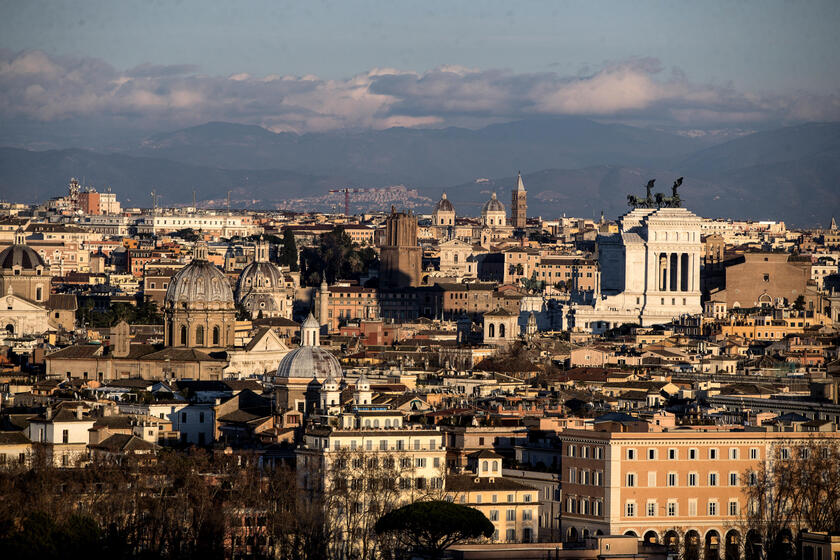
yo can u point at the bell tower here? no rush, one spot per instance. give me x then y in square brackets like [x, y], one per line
[519, 204]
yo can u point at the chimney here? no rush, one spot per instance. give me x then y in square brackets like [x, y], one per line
[48, 413]
[79, 412]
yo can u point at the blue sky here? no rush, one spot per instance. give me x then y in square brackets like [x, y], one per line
[755, 59]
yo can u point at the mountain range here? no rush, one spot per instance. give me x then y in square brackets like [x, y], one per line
[571, 166]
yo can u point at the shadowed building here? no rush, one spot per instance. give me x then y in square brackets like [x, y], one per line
[401, 257]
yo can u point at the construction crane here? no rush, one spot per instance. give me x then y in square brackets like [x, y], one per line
[347, 192]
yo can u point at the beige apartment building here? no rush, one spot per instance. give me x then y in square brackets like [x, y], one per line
[512, 506]
[659, 485]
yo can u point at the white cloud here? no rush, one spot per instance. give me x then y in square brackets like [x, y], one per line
[38, 86]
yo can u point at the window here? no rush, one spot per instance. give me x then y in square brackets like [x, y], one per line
[672, 509]
[753, 453]
[713, 479]
[692, 507]
[572, 450]
[631, 454]
[494, 515]
[215, 336]
[733, 507]
[692, 454]
[651, 454]
[510, 498]
[630, 509]
[631, 480]
[672, 479]
[733, 453]
[672, 454]
[652, 479]
[510, 533]
[598, 453]
[527, 497]
[511, 515]
[692, 479]
[785, 453]
[712, 508]
[713, 454]
[527, 515]
[651, 509]
[199, 335]
[733, 479]
[65, 436]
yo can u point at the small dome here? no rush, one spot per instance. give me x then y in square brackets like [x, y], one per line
[443, 205]
[200, 282]
[20, 255]
[259, 276]
[493, 205]
[309, 361]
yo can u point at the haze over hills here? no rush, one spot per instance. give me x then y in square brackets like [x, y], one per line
[571, 165]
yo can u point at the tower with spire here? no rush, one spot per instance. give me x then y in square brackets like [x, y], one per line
[519, 204]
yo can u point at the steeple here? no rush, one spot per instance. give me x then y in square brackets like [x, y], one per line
[310, 332]
[520, 186]
[262, 250]
[363, 394]
[200, 251]
[833, 224]
[20, 236]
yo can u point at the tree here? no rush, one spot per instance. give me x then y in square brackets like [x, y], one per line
[288, 251]
[431, 527]
[799, 303]
[797, 487]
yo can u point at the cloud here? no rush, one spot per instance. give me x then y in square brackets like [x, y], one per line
[41, 87]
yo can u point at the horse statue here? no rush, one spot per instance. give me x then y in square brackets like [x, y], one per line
[634, 201]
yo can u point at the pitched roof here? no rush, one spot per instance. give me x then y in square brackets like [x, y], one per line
[125, 443]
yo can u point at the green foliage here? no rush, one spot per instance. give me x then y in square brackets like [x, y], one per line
[799, 304]
[145, 313]
[288, 250]
[335, 257]
[433, 526]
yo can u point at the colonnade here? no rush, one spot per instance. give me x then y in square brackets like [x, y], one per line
[676, 272]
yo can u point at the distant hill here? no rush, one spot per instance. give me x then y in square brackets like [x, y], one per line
[571, 166]
[30, 176]
[419, 156]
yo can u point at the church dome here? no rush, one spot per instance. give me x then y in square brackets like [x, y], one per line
[492, 205]
[200, 282]
[20, 255]
[307, 362]
[259, 276]
[443, 205]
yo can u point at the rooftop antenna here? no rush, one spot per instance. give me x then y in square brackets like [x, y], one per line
[193, 200]
[154, 202]
[228, 202]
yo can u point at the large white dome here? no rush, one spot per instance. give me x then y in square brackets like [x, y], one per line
[307, 362]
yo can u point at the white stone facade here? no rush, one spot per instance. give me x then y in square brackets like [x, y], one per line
[649, 271]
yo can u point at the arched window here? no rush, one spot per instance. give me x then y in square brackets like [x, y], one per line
[216, 336]
[491, 330]
[484, 466]
[501, 330]
[183, 335]
[38, 293]
[199, 335]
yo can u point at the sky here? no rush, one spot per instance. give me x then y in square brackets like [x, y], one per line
[311, 66]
